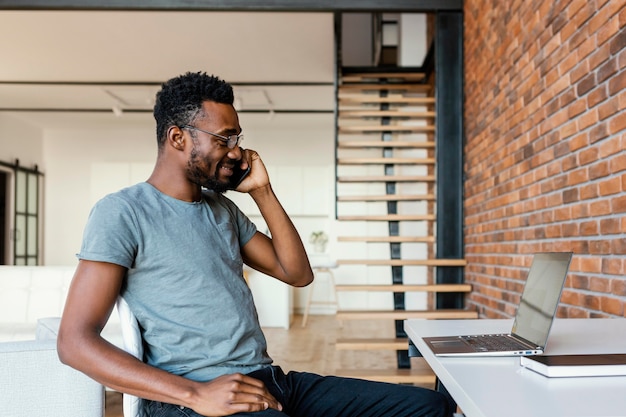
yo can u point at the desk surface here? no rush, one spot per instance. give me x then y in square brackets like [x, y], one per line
[499, 386]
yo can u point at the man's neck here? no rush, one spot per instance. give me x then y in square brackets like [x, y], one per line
[177, 188]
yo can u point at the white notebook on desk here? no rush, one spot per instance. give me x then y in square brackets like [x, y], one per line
[533, 320]
[607, 364]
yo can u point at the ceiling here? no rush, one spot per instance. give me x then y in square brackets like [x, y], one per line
[62, 68]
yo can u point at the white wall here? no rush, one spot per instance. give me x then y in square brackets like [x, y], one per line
[20, 141]
[412, 46]
[70, 157]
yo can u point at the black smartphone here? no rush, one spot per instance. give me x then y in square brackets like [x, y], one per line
[238, 176]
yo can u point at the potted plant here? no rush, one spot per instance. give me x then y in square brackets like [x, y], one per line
[319, 240]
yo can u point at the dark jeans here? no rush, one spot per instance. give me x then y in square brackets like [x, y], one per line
[308, 395]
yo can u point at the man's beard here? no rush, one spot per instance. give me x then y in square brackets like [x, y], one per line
[196, 175]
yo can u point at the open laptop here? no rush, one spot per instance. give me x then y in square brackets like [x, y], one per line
[533, 319]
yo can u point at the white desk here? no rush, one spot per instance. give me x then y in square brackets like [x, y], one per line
[500, 387]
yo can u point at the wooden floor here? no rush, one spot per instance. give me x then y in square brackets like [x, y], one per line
[312, 349]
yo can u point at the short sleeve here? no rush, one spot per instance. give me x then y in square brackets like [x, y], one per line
[111, 234]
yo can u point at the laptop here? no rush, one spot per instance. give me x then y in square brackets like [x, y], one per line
[533, 320]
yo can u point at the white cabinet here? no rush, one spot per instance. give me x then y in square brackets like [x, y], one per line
[273, 299]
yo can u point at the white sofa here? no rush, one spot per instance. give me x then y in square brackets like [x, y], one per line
[29, 293]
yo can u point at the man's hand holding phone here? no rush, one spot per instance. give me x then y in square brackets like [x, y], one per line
[255, 174]
[238, 175]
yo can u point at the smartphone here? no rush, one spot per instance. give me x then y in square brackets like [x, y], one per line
[238, 176]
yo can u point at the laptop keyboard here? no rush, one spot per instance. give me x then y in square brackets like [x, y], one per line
[493, 342]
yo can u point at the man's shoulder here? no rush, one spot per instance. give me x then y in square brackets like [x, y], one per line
[132, 192]
[129, 196]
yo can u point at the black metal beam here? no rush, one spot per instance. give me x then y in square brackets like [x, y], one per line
[449, 128]
[239, 5]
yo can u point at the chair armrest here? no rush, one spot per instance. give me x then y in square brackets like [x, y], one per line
[133, 344]
[33, 382]
[47, 328]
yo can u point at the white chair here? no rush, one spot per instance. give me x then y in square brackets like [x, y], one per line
[34, 382]
[132, 406]
[320, 265]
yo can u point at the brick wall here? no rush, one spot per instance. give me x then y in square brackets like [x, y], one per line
[545, 126]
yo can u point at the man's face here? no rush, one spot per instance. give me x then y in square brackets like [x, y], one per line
[211, 162]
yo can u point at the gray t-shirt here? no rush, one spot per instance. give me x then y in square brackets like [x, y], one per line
[185, 278]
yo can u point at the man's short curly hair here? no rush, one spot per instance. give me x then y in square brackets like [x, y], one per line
[180, 99]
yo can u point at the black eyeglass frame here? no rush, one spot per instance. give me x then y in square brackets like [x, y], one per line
[231, 140]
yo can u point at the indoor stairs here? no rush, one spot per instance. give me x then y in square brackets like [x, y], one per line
[386, 192]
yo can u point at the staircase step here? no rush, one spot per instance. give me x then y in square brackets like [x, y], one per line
[403, 262]
[390, 239]
[421, 88]
[372, 344]
[421, 376]
[387, 128]
[407, 287]
[386, 144]
[391, 99]
[385, 161]
[405, 314]
[386, 113]
[387, 178]
[386, 197]
[362, 76]
[388, 217]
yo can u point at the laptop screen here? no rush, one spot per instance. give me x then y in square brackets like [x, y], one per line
[541, 296]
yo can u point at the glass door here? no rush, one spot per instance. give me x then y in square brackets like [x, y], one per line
[26, 224]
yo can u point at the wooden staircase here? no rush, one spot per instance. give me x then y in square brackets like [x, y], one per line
[386, 193]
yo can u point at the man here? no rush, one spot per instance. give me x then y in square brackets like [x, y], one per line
[174, 248]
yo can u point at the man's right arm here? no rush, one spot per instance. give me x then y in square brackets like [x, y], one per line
[92, 295]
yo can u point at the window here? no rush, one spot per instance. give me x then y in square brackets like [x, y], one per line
[21, 201]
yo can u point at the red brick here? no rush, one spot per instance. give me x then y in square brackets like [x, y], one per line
[577, 177]
[600, 208]
[618, 43]
[608, 108]
[610, 186]
[618, 204]
[599, 170]
[618, 286]
[599, 247]
[617, 124]
[579, 141]
[588, 191]
[611, 305]
[617, 84]
[589, 228]
[598, 95]
[587, 119]
[610, 226]
[618, 246]
[610, 147]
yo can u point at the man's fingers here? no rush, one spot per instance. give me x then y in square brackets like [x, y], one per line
[248, 390]
[254, 392]
[264, 401]
[235, 393]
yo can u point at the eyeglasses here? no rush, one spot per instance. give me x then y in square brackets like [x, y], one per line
[231, 140]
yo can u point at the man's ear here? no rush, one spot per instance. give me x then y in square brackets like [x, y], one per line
[175, 137]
